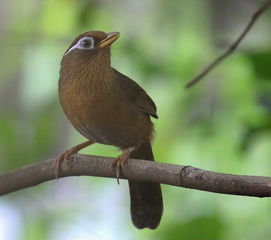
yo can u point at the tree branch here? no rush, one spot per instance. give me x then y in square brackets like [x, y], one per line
[233, 47]
[139, 170]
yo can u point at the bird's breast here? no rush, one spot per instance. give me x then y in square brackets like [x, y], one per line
[105, 118]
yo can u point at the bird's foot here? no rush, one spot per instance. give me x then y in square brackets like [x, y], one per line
[67, 156]
[120, 161]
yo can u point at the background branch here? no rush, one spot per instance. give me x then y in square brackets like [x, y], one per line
[140, 170]
[233, 47]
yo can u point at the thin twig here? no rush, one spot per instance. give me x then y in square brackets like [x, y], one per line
[233, 47]
[138, 170]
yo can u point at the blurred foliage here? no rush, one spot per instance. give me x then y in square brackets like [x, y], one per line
[209, 227]
[222, 124]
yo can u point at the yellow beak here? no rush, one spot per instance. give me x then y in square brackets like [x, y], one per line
[110, 38]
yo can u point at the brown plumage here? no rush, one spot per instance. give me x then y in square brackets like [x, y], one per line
[107, 107]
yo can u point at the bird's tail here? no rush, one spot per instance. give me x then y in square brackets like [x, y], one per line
[146, 197]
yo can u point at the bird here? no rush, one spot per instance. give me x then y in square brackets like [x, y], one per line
[107, 107]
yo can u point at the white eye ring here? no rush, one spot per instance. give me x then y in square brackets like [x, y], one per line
[84, 43]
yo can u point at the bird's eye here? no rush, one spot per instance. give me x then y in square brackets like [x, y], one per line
[86, 43]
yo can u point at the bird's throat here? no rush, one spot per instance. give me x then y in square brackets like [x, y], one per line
[90, 74]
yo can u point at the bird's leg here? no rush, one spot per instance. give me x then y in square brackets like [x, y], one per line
[120, 161]
[65, 155]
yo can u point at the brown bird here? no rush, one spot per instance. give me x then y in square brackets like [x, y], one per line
[107, 107]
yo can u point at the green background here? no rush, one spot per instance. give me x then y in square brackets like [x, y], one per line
[222, 124]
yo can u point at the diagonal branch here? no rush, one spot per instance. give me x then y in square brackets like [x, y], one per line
[233, 47]
[139, 170]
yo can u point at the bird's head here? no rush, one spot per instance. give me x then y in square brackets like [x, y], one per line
[87, 55]
[91, 43]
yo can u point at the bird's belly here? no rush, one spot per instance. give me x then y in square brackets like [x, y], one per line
[109, 121]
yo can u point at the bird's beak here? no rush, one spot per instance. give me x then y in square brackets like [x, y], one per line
[110, 38]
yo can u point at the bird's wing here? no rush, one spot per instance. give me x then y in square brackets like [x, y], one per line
[136, 94]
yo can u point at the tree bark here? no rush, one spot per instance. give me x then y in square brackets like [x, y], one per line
[139, 170]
